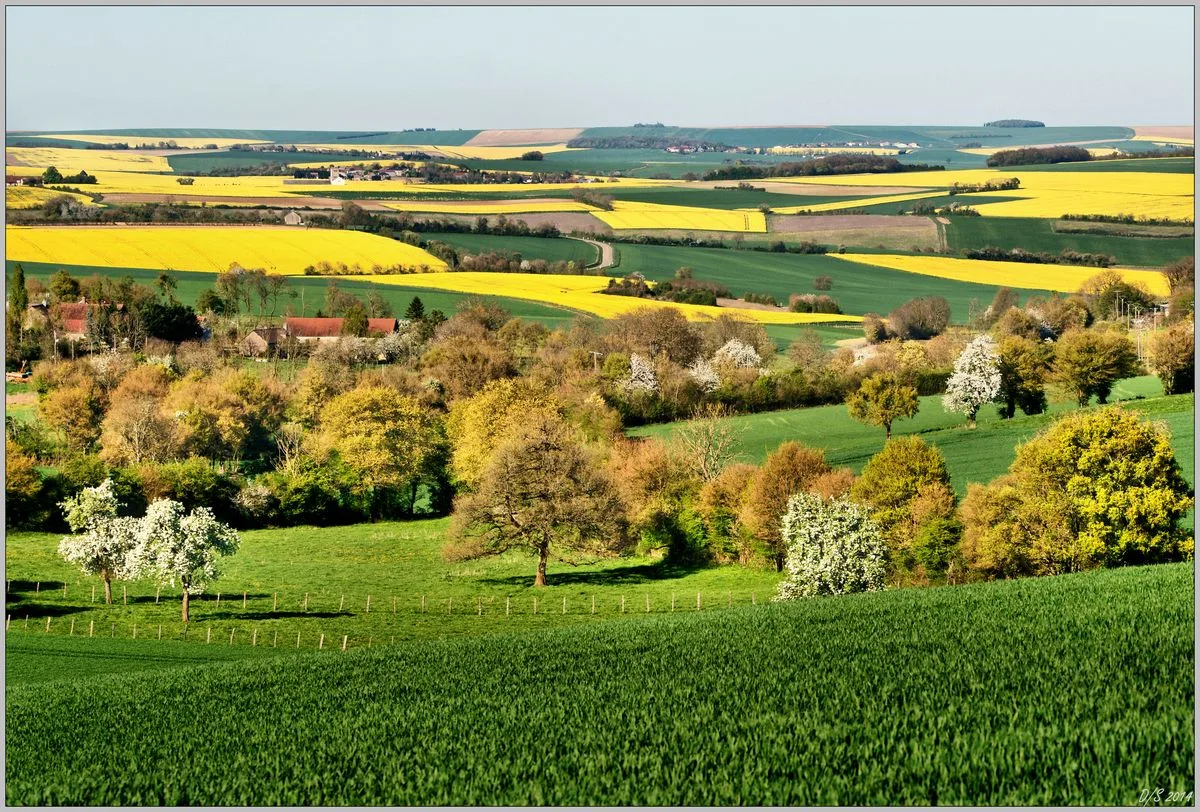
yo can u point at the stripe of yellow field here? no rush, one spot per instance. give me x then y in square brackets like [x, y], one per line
[1150, 183]
[242, 186]
[1060, 278]
[466, 153]
[638, 215]
[1095, 151]
[582, 293]
[853, 204]
[71, 161]
[278, 250]
[488, 207]
[31, 197]
[153, 140]
[1184, 142]
[1059, 203]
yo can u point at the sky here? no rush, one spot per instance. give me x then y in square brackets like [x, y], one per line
[476, 68]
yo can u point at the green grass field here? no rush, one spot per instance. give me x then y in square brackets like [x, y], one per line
[971, 456]
[1076, 690]
[310, 291]
[1180, 165]
[1032, 234]
[449, 138]
[551, 250]
[203, 162]
[857, 288]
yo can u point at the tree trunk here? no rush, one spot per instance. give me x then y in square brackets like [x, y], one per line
[107, 587]
[779, 559]
[185, 605]
[541, 571]
[887, 431]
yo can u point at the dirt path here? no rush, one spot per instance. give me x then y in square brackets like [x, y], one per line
[739, 304]
[606, 253]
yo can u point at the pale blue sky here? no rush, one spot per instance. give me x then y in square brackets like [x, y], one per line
[392, 68]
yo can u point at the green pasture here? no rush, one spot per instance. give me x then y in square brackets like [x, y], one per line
[1034, 234]
[204, 162]
[978, 455]
[857, 288]
[1075, 690]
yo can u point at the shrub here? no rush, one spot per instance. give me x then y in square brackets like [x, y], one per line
[833, 548]
[823, 283]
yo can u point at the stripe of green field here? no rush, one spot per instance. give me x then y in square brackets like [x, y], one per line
[857, 288]
[1036, 234]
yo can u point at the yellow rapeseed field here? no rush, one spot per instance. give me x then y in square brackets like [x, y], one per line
[209, 248]
[581, 293]
[487, 207]
[629, 214]
[1185, 142]
[1061, 278]
[71, 161]
[153, 140]
[31, 197]
[1053, 194]
[838, 205]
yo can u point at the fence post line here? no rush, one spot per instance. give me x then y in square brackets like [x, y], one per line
[369, 640]
[393, 604]
[218, 600]
[672, 601]
[64, 590]
[113, 633]
[125, 596]
[37, 589]
[26, 621]
[479, 606]
[535, 606]
[47, 625]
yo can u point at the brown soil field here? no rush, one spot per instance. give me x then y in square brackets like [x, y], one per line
[886, 231]
[520, 138]
[738, 304]
[1180, 131]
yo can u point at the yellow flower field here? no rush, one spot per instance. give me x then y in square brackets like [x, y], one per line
[628, 214]
[203, 248]
[1053, 194]
[1185, 142]
[582, 293]
[31, 197]
[837, 205]
[487, 207]
[1061, 278]
[71, 161]
[153, 140]
[1097, 151]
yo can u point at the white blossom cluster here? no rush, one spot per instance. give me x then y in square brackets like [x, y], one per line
[641, 375]
[834, 548]
[704, 375]
[739, 354]
[976, 378]
[167, 543]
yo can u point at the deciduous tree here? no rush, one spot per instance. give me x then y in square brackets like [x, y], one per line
[1024, 367]
[881, 400]
[787, 471]
[833, 548]
[1089, 362]
[1173, 357]
[976, 379]
[103, 540]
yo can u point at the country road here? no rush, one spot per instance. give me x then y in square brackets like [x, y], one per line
[606, 252]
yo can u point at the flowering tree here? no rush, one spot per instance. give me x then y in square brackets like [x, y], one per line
[834, 548]
[641, 375]
[172, 545]
[103, 539]
[976, 379]
[704, 375]
[738, 353]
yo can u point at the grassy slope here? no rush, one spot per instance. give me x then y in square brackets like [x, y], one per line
[313, 289]
[858, 288]
[972, 456]
[1038, 235]
[1023, 692]
[1177, 165]
[441, 137]
[207, 161]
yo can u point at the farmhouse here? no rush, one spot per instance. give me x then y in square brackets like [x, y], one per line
[262, 342]
[326, 329]
[293, 218]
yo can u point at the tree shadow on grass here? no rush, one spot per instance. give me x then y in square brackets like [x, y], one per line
[43, 611]
[613, 576]
[17, 590]
[274, 615]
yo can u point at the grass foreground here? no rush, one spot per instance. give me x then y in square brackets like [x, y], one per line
[1070, 690]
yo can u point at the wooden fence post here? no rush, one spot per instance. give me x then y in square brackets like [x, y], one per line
[275, 644]
[274, 601]
[647, 601]
[535, 606]
[64, 590]
[243, 600]
[231, 631]
[450, 606]
[321, 644]
[479, 606]
[160, 631]
[342, 603]
[564, 604]
[113, 631]
[393, 604]
[125, 596]
[305, 601]
[208, 637]
[672, 601]
[622, 604]
[72, 632]
[297, 639]
[27, 622]
[422, 603]
[506, 607]
[218, 600]
[697, 601]
[593, 604]
[368, 604]
[37, 589]
[91, 627]
[93, 593]
[47, 625]
[254, 637]
[157, 590]
[344, 638]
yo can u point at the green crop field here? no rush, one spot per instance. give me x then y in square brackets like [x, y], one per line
[551, 250]
[1177, 165]
[203, 162]
[311, 291]
[858, 288]
[963, 233]
[448, 138]
[898, 207]
[971, 456]
[1018, 692]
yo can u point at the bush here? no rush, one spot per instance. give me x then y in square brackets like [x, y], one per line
[921, 318]
[823, 283]
[833, 548]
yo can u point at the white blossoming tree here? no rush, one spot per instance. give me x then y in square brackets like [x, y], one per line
[738, 354]
[833, 548]
[976, 379]
[641, 375]
[103, 539]
[704, 375]
[174, 546]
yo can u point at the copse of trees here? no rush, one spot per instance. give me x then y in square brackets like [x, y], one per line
[1033, 156]
[841, 164]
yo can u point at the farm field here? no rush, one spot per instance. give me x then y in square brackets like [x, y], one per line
[550, 249]
[1061, 278]
[32, 197]
[646, 216]
[210, 248]
[311, 291]
[200, 162]
[971, 456]
[963, 233]
[858, 287]
[497, 207]
[135, 141]
[1004, 669]
[72, 161]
